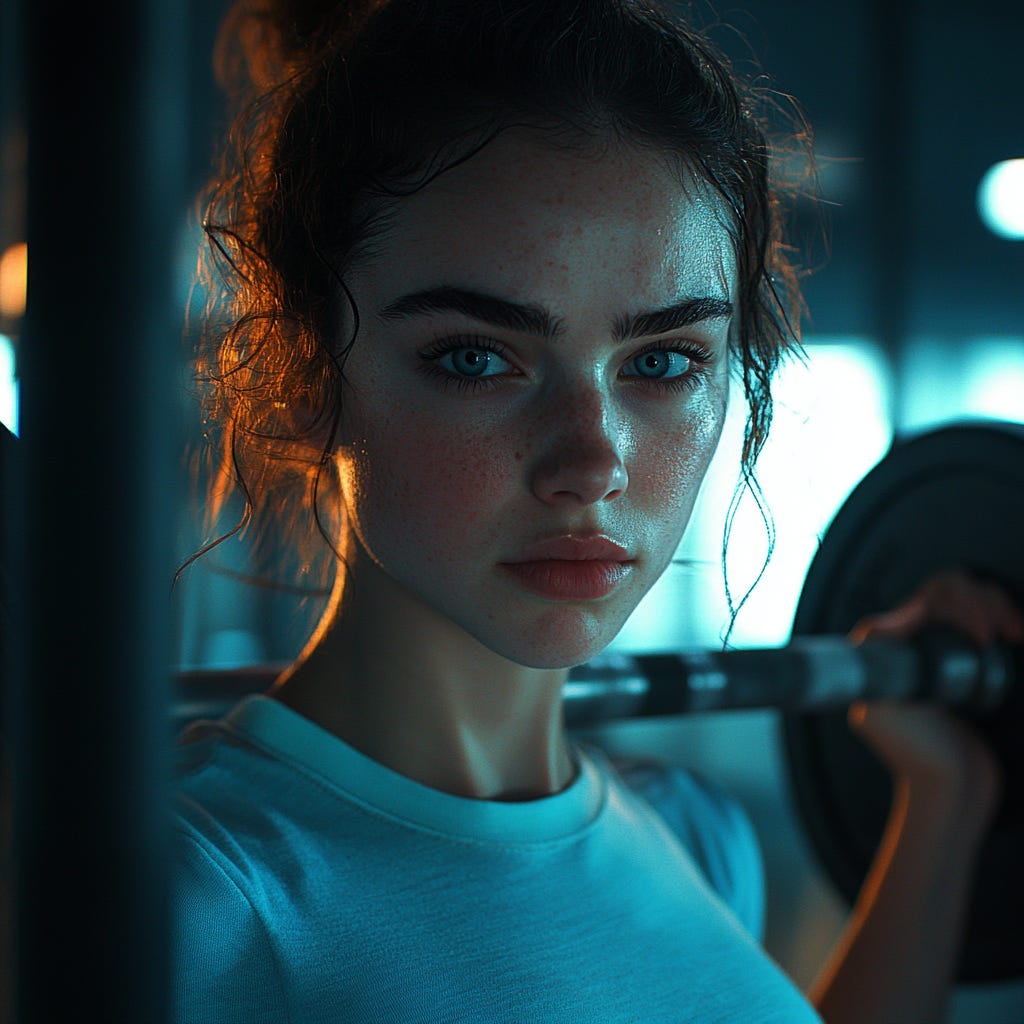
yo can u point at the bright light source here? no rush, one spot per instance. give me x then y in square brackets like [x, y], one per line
[832, 424]
[13, 280]
[1001, 199]
[962, 378]
[994, 385]
[8, 386]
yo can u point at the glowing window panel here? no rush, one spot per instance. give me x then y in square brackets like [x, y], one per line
[963, 378]
[8, 386]
[994, 387]
[1001, 199]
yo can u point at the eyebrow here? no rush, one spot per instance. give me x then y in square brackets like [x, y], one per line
[681, 314]
[533, 319]
[513, 316]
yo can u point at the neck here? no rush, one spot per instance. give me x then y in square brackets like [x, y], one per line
[404, 685]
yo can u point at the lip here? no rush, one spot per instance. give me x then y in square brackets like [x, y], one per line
[573, 548]
[571, 568]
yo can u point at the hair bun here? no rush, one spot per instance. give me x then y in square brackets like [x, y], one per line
[262, 42]
[300, 24]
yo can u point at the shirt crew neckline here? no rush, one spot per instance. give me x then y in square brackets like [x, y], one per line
[295, 739]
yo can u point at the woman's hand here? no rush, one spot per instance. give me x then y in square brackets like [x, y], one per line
[896, 960]
[955, 598]
[925, 745]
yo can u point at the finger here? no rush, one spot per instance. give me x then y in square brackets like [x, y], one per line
[982, 609]
[962, 602]
[857, 713]
[1006, 615]
[902, 621]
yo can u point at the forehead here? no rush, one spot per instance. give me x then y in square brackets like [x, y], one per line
[534, 221]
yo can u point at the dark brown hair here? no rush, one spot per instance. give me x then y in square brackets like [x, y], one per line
[342, 108]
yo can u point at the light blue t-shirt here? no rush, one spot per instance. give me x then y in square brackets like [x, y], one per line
[317, 886]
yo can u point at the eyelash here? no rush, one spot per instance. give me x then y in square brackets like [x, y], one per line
[700, 361]
[443, 346]
[700, 358]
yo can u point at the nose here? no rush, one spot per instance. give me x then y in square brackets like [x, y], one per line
[580, 462]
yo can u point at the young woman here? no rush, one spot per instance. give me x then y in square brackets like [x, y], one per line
[488, 269]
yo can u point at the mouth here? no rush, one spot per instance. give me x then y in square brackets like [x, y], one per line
[574, 548]
[571, 568]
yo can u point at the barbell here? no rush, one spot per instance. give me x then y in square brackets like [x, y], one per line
[950, 497]
[811, 673]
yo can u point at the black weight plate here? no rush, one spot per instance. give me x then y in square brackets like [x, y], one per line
[950, 497]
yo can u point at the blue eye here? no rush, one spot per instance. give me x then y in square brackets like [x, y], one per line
[468, 361]
[659, 364]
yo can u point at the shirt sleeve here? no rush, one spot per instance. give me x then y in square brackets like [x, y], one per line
[223, 965]
[714, 829]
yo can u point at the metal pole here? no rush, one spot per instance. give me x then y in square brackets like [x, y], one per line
[812, 673]
[99, 355]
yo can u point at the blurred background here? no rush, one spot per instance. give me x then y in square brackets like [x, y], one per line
[916, 319]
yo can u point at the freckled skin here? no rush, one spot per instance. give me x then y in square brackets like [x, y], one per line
[443, 484]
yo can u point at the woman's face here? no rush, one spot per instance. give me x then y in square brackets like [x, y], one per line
[538, 384]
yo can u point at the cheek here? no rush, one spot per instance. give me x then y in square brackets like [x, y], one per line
[671, 466]
[415, 480]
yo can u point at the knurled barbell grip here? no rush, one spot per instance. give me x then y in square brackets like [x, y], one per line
[810, 673]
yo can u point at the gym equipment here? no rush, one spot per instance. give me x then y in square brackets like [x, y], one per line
[952, 497]
[811, 673]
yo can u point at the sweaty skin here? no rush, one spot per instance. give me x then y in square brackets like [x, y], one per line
[471, 437]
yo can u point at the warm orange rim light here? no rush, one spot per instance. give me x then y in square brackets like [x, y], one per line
[14, 280]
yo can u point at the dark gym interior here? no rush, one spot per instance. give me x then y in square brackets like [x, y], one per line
[915, 324]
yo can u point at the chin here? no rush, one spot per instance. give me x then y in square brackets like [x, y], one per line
[559, 641]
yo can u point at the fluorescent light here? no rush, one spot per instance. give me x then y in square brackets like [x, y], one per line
[1001, 199]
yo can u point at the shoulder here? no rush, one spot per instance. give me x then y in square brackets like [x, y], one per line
[711, 825]
[224, 965]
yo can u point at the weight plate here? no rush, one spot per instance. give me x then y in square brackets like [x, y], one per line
[952, 497]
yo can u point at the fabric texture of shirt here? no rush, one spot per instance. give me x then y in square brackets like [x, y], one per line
[318, 886]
